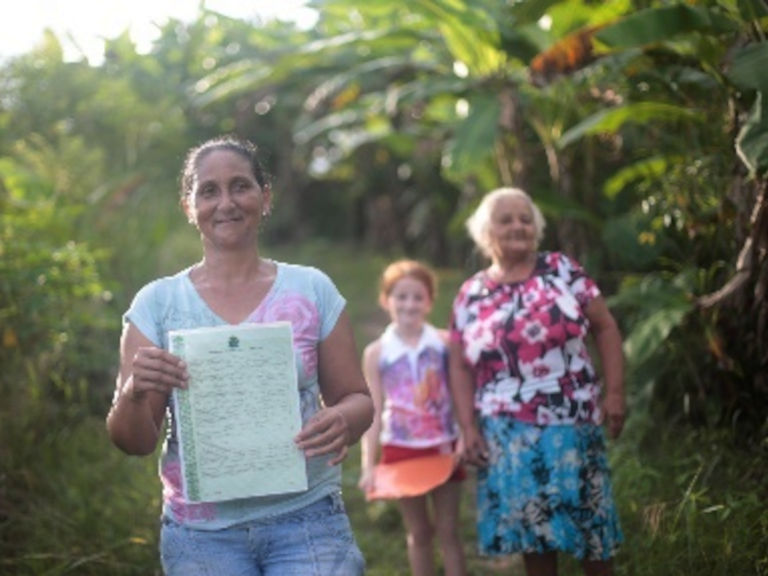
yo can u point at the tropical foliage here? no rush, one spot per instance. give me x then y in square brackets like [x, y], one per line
[639, 129]
[638, 126]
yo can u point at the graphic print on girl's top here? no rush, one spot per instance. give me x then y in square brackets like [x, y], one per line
[417, 411]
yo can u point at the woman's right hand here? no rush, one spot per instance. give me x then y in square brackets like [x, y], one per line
[148, 375]
[155, 370]
[473, 447]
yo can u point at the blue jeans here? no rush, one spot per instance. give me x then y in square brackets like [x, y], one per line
[314, 541]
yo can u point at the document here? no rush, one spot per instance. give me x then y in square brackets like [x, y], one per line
[237, 419]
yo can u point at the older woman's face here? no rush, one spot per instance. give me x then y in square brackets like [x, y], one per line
[512, 230]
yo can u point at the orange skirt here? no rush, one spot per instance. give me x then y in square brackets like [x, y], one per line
[408, 472]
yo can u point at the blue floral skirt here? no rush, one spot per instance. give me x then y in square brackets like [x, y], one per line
[547, 488]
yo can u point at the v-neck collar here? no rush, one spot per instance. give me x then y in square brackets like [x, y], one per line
[279, 269]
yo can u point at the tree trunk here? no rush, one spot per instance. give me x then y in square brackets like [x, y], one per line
[510, 147]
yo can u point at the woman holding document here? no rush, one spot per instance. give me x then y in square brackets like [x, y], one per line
[226, 318]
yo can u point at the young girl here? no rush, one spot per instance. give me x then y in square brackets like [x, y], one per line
[406, 373]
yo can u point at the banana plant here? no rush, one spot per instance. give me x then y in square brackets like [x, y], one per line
[710, 59]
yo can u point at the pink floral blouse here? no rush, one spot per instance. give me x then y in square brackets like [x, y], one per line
[525, 342]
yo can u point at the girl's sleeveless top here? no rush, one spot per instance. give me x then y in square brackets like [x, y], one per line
[417, 410]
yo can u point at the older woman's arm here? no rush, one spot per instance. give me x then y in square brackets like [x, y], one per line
[609, 347]
[348, 408]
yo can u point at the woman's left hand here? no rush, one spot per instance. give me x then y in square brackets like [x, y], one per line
[613, 414]
[473, 448]
[327, 432]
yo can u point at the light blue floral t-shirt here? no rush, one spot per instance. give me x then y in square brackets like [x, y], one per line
[302, 295]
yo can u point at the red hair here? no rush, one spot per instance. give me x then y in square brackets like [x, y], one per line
[407, 269]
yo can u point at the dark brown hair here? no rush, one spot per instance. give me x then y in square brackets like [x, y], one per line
[243, 148]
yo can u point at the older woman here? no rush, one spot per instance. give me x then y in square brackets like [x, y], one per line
[528, 399]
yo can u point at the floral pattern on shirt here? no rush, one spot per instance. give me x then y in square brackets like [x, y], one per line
[303, 315]
[525, 342]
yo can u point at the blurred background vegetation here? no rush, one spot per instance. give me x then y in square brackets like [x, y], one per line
[638, 126]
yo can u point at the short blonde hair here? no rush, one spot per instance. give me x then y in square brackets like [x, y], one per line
[479, 223]
[400, 269]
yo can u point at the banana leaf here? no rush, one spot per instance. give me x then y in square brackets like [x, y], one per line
[660, 24]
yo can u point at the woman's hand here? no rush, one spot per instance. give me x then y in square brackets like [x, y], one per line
[327, 432]
[613, 413]
[472, 447]
[147, 376]
[609, 348]
[155, 370]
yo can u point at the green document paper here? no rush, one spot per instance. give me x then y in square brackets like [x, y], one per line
[237, 420]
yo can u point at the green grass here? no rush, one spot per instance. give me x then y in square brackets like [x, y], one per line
[75, 505]
[70, 503]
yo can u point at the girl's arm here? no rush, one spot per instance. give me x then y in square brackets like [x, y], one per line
[370, 443]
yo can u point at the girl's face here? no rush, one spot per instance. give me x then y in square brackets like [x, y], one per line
[513, 230]
[408, 303]
[226, 203]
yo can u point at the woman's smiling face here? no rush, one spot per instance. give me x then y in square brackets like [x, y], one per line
[512, 230]
[226, 202]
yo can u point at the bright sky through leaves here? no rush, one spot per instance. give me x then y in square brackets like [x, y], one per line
[90, 21]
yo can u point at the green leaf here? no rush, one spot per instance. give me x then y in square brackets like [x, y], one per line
[525, 42]
[475, 136]
[654, 292]
[630, 248]
[752, 9]
[750, 68]
[346, 118]
[531, 12]
[613, 119]
[648, 168]
[554, 205]
[650, 333]
[469, 34]
[752, 141]
[656, 25]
